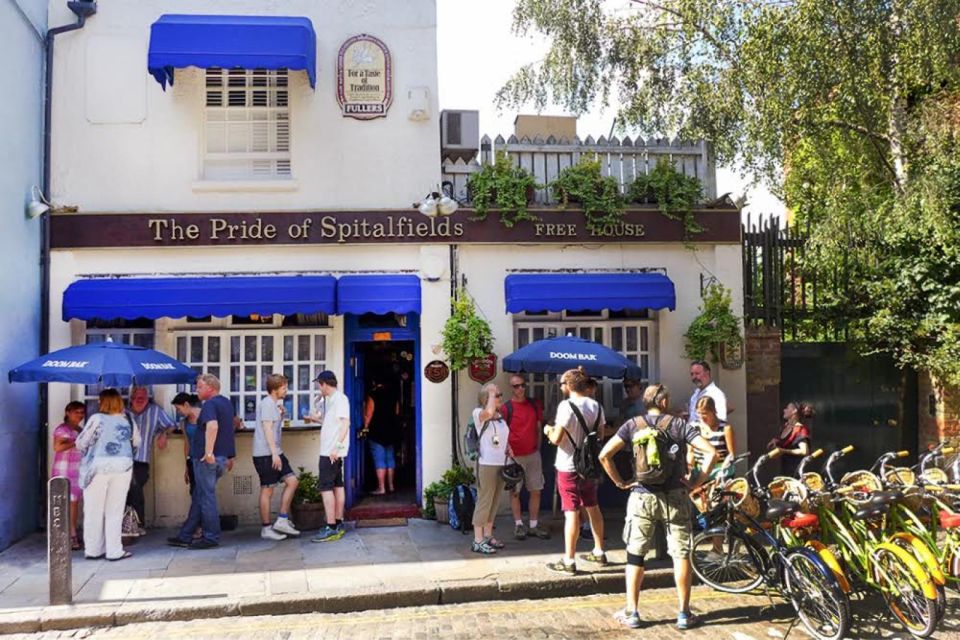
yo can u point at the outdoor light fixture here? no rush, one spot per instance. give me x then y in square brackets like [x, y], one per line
[38, 204]
[437, 203]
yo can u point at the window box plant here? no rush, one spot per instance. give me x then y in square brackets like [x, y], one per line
[599, 195]
[675, 193]
[307, 508]
[504, 186]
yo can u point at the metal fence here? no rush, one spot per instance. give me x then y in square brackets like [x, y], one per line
[784, 285]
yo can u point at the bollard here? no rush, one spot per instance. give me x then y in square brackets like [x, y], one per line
[58, 541]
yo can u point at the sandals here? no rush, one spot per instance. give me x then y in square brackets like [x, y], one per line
[75, 544]
[482, 547]
[126, 554]
[496, 544]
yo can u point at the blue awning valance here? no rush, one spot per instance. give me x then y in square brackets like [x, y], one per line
[198, 297]
[378, 293]
[245, 42]
[588, 291]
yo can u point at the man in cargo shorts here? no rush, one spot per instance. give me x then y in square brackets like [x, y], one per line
[667, 502]
[524, 416]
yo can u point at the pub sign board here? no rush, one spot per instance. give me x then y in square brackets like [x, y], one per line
[364, 78]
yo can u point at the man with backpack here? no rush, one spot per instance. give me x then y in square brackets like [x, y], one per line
[524, 416]
[660, 492]
[577, 435]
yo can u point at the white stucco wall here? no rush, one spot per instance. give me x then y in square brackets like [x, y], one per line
[21, 129]
[123, 144]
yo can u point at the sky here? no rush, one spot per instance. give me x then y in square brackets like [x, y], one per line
[478, 52]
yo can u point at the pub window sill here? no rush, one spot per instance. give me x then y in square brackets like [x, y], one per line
[228, 186]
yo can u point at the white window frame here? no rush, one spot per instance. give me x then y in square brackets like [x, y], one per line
[299, 398]
[248, 141]
[545, 386]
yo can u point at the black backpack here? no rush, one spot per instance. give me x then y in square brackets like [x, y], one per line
[461, 506]
[655, 468]
[586, 456]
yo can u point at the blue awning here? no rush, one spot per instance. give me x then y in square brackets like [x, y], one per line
[378, 293]
[588, 291]
[198, 297]
[245, 42]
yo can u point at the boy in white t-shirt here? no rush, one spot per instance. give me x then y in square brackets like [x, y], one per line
[272, 466]
[334, 414]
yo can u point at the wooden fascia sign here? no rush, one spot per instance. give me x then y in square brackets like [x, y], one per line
[364, 78]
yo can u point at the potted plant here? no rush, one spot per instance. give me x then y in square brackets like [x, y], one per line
[715, 327]
[435, 498]
[504, 186]
[675, 193]
[599, 195]
[307, 505]
[465, 335]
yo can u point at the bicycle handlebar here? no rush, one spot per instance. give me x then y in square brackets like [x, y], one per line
[828, 466]
[803, 463]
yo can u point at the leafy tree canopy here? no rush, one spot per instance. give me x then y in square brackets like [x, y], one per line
[847, 108]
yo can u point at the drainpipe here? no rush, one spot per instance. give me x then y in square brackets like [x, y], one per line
[82, 9]
[454, 375]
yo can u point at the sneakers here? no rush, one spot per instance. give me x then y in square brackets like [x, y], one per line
[594, 558]
[520, 531]
[539, 532]
[562, 567]
[629, 619]
[686, 620]
[328, 534]
[177, 542]
[203, 543]
[482, 547]
[284, 526]
[268, 533]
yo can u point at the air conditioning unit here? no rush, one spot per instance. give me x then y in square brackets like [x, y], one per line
[459, 134]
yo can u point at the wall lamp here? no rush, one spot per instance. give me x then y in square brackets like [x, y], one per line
[38, 204]
[437, 203]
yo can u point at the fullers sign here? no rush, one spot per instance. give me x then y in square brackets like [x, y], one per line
[364, 78]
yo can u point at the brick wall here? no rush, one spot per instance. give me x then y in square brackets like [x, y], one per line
[939, 412]
[763, 386]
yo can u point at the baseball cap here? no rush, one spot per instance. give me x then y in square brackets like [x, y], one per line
[327, 377]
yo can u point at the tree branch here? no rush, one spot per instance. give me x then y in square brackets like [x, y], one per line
[709, 37]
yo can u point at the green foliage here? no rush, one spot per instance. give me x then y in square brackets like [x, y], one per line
[716, 325]
[307, 491]
[465, 335]
[599, 195]
[847, 108]
[457, 475]
[503, 186]
[675, 193]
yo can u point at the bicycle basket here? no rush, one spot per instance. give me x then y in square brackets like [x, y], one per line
[745, 502]
[934, 476]
[901, 476]
[789, 489]
[863, 483]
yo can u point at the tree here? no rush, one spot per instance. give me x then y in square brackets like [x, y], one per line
[843, 106]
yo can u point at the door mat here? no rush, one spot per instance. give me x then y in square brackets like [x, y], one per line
[382, 522]
[375, 512]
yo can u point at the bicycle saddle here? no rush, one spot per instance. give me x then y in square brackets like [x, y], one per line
[777, 509]
[885, 497]
[801, 520]
[949, 520]
[871, 511]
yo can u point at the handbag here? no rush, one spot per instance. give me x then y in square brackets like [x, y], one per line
[131, 523]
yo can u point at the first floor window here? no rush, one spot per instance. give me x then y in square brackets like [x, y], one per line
[243, 359]
[247, 124]
[136, 332]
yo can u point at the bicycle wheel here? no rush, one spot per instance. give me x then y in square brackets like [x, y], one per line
[816, 597]
[726, 561]
[900, 580]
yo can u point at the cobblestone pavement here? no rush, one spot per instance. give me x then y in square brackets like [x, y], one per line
[751, 617]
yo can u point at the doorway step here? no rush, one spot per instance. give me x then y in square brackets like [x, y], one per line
[393, 505]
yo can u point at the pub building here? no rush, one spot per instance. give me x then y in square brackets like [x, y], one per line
[239, 188]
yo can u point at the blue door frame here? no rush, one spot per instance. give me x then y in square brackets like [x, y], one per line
[353, 336]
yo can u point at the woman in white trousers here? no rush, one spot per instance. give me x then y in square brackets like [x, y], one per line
[107, 443]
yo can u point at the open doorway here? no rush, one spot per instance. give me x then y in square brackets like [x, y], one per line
[387, 478]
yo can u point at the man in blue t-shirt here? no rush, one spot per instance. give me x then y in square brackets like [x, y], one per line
[667, 502]
[217, 434]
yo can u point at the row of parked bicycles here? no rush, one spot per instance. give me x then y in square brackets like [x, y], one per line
[821, 542]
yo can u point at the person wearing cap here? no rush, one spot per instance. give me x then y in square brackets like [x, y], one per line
[333, 412]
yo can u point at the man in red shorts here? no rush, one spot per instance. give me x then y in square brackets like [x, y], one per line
[575, 415]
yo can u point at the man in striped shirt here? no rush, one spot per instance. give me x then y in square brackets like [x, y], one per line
[153, 423]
